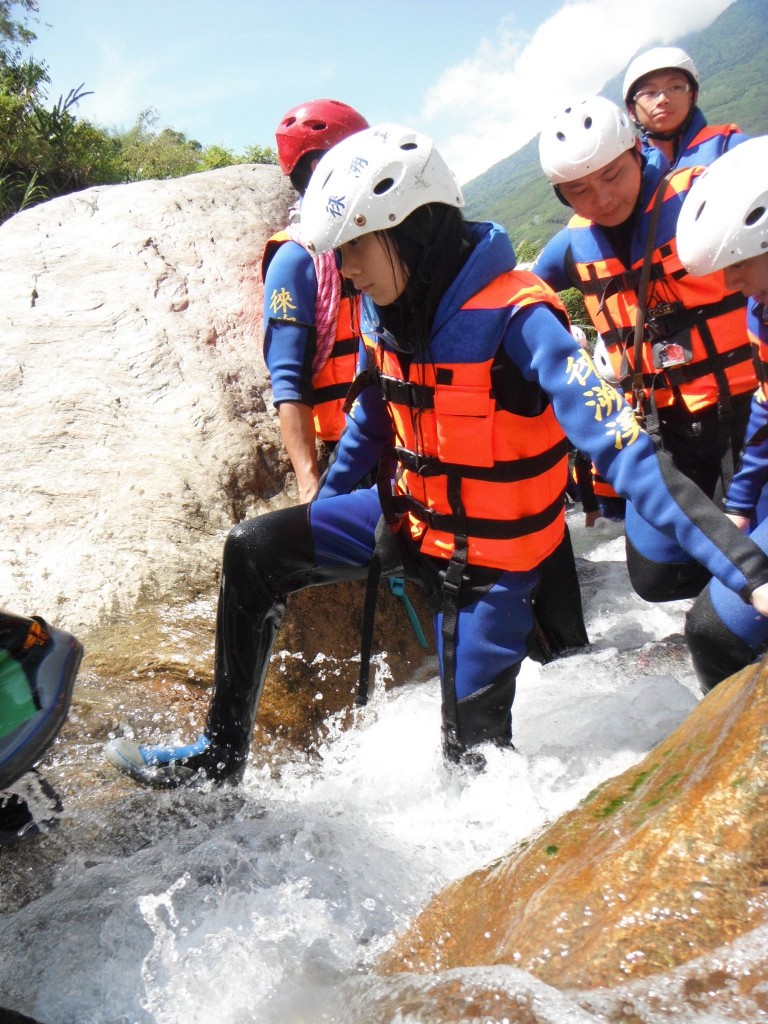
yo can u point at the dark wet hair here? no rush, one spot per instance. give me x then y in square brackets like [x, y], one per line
[431, 243]
[302, 172]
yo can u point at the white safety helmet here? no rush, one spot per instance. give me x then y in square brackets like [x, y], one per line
[724, 218]
[602, 362]
[584, 137]
[660, 58]
[372, 181]
[578, 335]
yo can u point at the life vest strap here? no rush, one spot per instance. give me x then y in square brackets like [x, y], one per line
[474, 526]
[501, 472]
[403, 392]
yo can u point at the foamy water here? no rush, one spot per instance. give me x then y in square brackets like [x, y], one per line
[270, 903]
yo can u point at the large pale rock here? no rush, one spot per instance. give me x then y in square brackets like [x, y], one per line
[656, 867]
[135, 428]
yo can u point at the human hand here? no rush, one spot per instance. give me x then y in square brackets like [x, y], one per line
[741, 521]
[760, 599]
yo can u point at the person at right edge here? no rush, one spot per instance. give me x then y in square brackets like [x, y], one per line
[470, 390]
[678, 344]
[724, 226]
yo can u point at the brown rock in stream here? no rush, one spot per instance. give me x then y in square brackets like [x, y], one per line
[654, 868]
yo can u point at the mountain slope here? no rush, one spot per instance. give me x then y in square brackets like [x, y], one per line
[731, 56]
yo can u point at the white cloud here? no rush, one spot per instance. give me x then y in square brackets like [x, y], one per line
[506, 89]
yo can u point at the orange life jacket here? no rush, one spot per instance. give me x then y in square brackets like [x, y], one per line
[469, 471]
[695, 348]
[332, 378]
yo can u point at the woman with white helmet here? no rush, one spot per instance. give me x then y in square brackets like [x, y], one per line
[661, 91]
[724, 226]
[470, 380]
[678, 344]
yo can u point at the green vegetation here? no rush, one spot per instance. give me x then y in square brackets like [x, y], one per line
[47, 150]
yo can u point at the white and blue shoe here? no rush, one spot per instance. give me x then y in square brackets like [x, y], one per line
[164, 767]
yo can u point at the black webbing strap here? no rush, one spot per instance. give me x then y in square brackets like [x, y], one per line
[451, 590]
[366, 636]
[638, 385]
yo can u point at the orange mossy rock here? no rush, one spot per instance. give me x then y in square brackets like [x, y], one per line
[657, 866]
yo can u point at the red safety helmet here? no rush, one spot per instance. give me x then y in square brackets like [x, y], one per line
[315, 125]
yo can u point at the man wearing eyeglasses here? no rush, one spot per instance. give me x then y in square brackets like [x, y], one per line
[661, 90]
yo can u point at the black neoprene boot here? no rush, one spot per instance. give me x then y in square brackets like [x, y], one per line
[483, 717]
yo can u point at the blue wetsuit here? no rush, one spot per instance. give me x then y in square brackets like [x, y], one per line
[290, 292]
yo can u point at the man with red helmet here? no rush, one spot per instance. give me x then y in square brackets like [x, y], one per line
[310, 341]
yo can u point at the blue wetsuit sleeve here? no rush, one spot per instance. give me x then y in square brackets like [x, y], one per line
[551, 265]
[367, 433]
[598, 421]
[290, 292]
[747, 485]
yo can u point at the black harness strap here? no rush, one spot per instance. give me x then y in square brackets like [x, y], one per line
[366, 633]
[459, 524]
[501, 472]
[451, 596]
[651, 422]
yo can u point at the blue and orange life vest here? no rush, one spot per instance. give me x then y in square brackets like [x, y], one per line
[332, 378]
[707, 145]
[475, 469]
[695, 348]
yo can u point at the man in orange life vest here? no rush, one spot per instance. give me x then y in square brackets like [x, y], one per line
[661, 90]
[688, 364]
[310, 345]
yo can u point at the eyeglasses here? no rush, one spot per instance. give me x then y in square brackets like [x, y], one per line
[672, 92]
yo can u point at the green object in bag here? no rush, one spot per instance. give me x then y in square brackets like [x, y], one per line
[17, 702]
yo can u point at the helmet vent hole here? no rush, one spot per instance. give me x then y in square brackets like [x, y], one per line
[560, 137]
[587, 122]
[383, 186]
[700, 211]
[408, 145]
[754, 216]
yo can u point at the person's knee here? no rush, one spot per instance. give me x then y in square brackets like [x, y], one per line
[272, 546]
[716, 652]
[658, 582]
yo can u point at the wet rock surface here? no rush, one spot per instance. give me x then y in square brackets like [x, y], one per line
[655, 867]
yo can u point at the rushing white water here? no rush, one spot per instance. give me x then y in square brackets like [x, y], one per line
[269, 903]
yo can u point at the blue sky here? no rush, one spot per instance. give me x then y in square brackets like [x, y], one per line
[478, 76]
